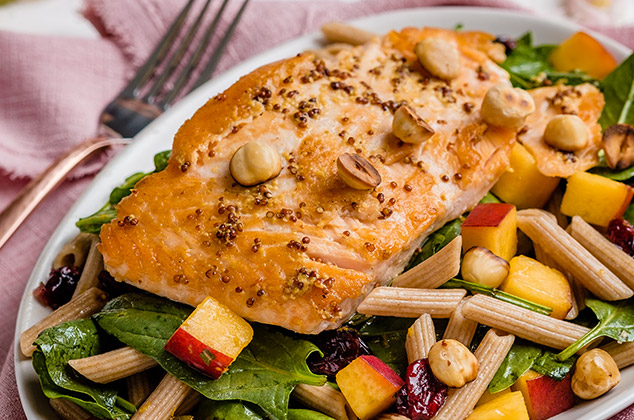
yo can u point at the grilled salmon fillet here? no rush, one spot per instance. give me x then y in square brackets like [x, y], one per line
[303, 249]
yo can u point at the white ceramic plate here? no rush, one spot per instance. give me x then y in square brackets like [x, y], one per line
[158, 136]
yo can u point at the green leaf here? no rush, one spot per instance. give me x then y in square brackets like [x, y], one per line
[75, 340]
[629, 214]
[490, 198]
[303, 414]
[436, 241]
[265, 373]
[93, 223]
[618, 91]
[615, 321]
[385, 336]
[497, 294]
[228, 410]
[523, 356]
[529, 66]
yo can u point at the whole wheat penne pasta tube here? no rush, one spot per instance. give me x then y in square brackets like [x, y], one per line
[435, 270]
[571, 255]
[342, 32]
[460, 328]
[545, 258]
[83, 306]
[522, 322]
[391, 416]
[139, 387]
[623, 354]
[324, 399]
[420, 337]
[490, 354]
[411, 303]
[113, 365]
[75, 252]
[164, 400]
[68, 410]
[613, 257]
[189, 403]
[93, 266]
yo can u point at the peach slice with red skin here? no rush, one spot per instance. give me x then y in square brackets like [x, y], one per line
[369, 386]
[544, 396]
[211, 338]
[492, 226]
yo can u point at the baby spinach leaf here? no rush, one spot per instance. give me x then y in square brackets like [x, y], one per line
[75, 340]
[436, 241]
[523, 356]
[93, 223]
[615, 321]
[489, 198]
[228, 410]
[530, 67]
[618, 91]
[265, 373]
[303, 414]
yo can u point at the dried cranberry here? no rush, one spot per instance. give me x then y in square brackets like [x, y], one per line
[59, 287]
[509, 43]
[423, 394]
[621, 233]
[340, 347]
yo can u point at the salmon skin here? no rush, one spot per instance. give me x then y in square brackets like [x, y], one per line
[302, 250]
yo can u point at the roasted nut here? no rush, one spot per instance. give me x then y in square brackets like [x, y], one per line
[595, 374]
[452, 363]
[357, 172]
[439, 57]
[409, 127]
[508, 107]
[566, 132]
[254, 163]
[479, 265]
[618, 145]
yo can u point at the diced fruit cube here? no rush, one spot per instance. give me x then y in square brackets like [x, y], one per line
[595, 198]
[211, 338]
[523, 184]
[544, 396]
[492, 226]
[534, 281]
[487, 396]
[369, 386]
[508, 406]
[595, 60]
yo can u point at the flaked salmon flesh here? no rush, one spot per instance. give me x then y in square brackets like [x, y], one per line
[302, 250]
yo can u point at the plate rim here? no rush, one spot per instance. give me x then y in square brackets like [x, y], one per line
[218, 83]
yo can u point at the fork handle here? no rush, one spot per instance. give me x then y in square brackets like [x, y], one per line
[19, 209]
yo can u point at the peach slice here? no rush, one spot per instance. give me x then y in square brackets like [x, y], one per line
[492, 226]
[369, 386]
[211, 338]
[544, 396]
[583, 52]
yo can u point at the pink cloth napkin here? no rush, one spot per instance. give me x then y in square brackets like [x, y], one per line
[53, 90]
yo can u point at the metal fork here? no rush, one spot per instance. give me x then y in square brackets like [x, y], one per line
[137, 105]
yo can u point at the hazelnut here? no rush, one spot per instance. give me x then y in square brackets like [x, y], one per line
[595, 374]
[618, 145]
[357, 172]
[439, 57]
[566, 132]
[254, 163]
[505, 106]
[409, 127]
[479, 265]
[452, 363]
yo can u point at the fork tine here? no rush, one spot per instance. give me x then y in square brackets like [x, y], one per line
[194, 59]
[215, 58]
[174, 61]
[146, 71]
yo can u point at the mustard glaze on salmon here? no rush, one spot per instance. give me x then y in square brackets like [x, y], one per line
[303, 249]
